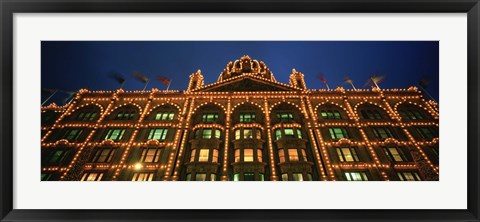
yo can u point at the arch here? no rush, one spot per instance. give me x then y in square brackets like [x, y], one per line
[285, 105]
[123, 106]
[93, 106]
[196, 117]
[374, 105]
[166, 107]
[398, 106]
[318, 107]
[250, 107]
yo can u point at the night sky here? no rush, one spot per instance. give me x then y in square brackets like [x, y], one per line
[72, 65]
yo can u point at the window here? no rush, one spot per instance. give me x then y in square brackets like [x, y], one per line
[393, 154]
[281, 155]
[289, 133]
[213, 177]
[92, 177]
[259, 155]
[236, 177]
[57, 156]
[200, 177]
[208, 133]
[218, 134]
[247, 117]
[408, 176]
[382, 132]
[285, 117]
[425, 132]
[371, 114]
[278, 134]
[249, 177]
[103, 155]
[237, 155]
[237, 134]
[329, 114]
[86, 116]
[142, 177]
[248, 155]
[309, 177]
[215, 156]
[210, 117]
[356, 176]
[297, 176]
[115, 134]
[125, 115]
[72, 134]
[165, 115]
[157, 134]
[347, 154]
[293, 155]
[412, 115]
[150, 155]
[192, 156]
[46, 176]
[248, 133]
[261, 176]
[189, 177]
[338, 133]
[299, 133]
[203, 157]
[284, 177]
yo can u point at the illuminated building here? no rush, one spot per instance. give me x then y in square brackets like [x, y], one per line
[246, 127]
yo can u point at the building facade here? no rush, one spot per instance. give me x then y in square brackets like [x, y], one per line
[245, 127]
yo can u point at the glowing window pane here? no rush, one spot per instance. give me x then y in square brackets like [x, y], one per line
[203, 157]
[248, 155]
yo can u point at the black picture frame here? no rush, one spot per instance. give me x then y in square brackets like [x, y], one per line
[9, 7]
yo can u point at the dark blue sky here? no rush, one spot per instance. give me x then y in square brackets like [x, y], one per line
[72, 65]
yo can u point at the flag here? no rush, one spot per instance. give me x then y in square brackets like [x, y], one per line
[70, 96]
[48, 91]
[117, 77]
[347, 79]
[140, 76]
[424, 81]
[374, 80]
[321, 77]
[166, 81]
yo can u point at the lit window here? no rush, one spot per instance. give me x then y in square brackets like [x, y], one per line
[248, 155]
[249, 177]
[412, 115]
[425, 132]
[248, 133]
[289, 133]
[200, 177]
[115, 134]
[218, 134]
[347, 154]
[259, 155]
[72, 134]
[210, 117]
[150, 155]
[261, 176]
[237, 155]
[142, 177]
[285, 117]
[207, 134]
[304, 155]
[382, 132]
[356, 176]
[328, 114]
[215, 156]
[281, 155]
[125, 115]
[236, 177]
[189, 177]
[258, 134]
[292, 154]
[297, 176]
[86, 116]
[164, 115]
[103, 155]
[299, 133]
[247, 117]
[284, 177]
[278, 134]
[213, 177]
[203, 157]
[309, 177]
[192, 156]
[338, 133]
[408, 176]
[371, 114]
[157, 134]
[393, 154]
[57, 156]
[92, 177]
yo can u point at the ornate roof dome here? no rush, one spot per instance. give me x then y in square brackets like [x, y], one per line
[246, 65]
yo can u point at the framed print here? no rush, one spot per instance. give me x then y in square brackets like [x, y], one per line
[210, 110]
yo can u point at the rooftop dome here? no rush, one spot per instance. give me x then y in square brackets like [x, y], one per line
[246, 65]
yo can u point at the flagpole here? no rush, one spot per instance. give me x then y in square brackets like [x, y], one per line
[146, 85]
[351, 83]
[426, 92]
[326, 84]
[169, 84]
[375, 83]
[121, 85]
[50, 96]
